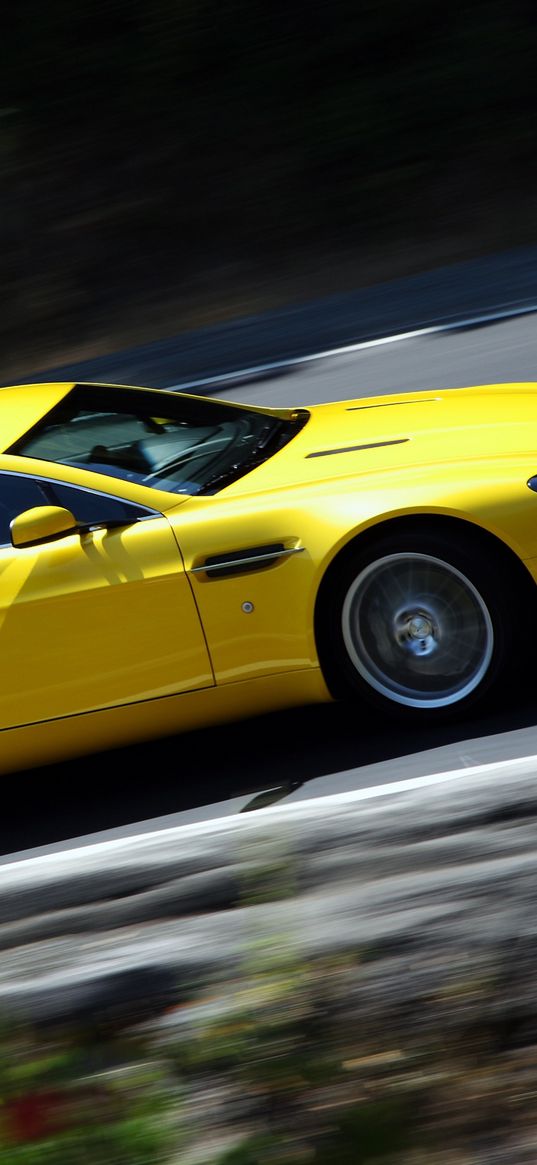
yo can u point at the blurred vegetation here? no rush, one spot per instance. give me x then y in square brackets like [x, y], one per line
[64, 1101]
[169, 161]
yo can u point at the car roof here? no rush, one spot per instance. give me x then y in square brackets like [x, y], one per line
[22, 405]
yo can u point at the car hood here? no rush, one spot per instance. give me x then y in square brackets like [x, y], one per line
[378, 434]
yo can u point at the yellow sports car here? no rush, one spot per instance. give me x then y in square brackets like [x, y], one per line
[170, 561]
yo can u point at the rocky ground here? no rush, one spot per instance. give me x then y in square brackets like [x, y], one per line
[350, 971]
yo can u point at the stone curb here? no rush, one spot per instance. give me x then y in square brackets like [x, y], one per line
[447, 863]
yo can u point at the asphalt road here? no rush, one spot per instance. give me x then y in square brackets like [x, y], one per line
[500, 282]
[488, 353]
[308, 752]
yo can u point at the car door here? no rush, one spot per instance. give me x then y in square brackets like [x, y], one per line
[96, 619]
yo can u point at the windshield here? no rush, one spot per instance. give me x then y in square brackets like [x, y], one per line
[173, 443]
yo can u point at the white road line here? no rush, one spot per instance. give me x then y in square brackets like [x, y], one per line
[493, 768]
[291, 362]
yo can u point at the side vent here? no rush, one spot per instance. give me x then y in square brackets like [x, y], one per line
[358, 448]
[245, 560]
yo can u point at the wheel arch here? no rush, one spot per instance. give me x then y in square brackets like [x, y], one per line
[438, 524]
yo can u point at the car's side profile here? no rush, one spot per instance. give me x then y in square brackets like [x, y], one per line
[168, 561]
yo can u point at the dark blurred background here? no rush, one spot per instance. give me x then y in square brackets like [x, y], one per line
[173, 163]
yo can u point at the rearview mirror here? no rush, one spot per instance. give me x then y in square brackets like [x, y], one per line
[42, 524]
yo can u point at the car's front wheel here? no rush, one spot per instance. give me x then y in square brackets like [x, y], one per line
[421, 625]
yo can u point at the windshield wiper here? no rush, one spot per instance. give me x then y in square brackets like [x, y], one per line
[256, 456]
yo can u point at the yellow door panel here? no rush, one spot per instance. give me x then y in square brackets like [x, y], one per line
[96, 620]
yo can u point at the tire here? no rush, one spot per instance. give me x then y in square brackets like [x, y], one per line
[421, 624]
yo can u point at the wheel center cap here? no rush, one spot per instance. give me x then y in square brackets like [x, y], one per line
[419, 627]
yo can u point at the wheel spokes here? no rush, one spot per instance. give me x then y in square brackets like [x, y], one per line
[417, 630]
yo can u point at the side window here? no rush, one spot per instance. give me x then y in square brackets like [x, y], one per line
[93, 507]
[19, 493]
